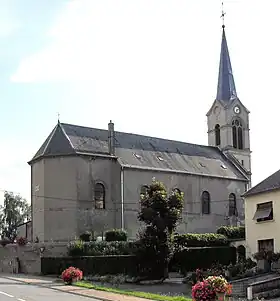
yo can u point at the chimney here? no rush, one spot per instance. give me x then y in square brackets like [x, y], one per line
[111, 138]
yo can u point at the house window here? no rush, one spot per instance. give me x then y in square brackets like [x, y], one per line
[264, 212]
[217, 135]
[99, 196]
[266, 245]
[232, 210]
[205, 200]
[237, 134]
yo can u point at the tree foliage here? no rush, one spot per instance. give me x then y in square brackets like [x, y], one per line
[13, 212]
[160, 212]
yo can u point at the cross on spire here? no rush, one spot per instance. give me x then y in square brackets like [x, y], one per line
[223, 15]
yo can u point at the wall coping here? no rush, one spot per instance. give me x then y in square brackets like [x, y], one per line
[252, 277]
[264, 281]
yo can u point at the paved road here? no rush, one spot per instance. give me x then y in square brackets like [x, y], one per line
[11, 290]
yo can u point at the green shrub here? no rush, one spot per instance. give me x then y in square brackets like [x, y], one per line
[232, 232]
[91, 265]
[81, 248]
[86, 236]
[116, 235]
[203, 258]
[199, 240]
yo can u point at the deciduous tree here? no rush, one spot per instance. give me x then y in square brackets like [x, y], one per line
[13, 212]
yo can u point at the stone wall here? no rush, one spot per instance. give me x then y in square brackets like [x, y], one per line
[239, 287]
[27, 259]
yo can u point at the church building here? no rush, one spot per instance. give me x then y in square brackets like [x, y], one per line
[91, 179]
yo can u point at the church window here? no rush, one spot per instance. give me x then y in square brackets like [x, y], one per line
[205, 199]
[176, 190]
[143, 190]
[217, 135]
[232, 211]
[237, 134]
[99, 196]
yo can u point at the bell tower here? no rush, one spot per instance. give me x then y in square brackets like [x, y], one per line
[228, 118]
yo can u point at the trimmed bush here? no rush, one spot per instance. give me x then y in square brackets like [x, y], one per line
[199, 240]
[91, 265]
[81, 248]
[232, 232]
[203, 258]
[85, 236]
[116, 235]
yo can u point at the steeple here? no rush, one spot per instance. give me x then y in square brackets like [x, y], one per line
[226, 90]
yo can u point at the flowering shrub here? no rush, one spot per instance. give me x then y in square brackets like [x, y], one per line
[22, 241]
[211, 288]
[71, 274]
[203, 291]
[218, 283]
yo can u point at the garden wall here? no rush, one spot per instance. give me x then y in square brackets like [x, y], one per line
[27, 259]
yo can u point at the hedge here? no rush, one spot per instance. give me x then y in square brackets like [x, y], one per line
[232, 232]
[200, 240]
[93, 248]
[192, 258]
[91, 265]
[116, 235]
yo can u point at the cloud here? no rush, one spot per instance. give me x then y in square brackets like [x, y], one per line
[70, 54]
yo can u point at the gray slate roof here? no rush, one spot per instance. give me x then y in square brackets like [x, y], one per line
[270, 183]
[141, 152]
[226, 90]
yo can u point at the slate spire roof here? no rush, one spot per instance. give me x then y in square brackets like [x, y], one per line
[226, 90]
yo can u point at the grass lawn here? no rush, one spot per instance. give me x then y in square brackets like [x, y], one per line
[150, 296]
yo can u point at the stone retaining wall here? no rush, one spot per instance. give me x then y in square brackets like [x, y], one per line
[27, 259]
[239, 287]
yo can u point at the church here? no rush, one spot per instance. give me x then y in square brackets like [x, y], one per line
[89, 179]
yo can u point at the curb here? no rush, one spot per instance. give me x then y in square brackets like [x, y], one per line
[55, 289]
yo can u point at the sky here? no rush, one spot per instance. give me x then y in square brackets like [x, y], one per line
[149, 65]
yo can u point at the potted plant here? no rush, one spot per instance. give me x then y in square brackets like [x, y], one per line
[202, 290]
[71, 275]
[22, 241]
[220, 286]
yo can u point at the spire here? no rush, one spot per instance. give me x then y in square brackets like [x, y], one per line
[226, 90]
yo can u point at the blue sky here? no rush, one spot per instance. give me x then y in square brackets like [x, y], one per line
[149, 65]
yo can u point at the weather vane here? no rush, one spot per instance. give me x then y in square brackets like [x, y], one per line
[223, 14]
[58, 116]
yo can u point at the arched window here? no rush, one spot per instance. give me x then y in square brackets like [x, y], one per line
[144, 189]
[237, 134]
[176, 190]
[232, 211]
[217, 135]
[99, 196]
[205, 199]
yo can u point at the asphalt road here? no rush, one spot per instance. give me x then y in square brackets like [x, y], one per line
[11, 290]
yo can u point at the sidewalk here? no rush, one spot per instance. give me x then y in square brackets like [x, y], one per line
[56, 284]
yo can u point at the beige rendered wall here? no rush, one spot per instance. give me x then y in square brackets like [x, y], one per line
[262, 230]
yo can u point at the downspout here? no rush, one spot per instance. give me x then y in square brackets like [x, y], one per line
[122, 198]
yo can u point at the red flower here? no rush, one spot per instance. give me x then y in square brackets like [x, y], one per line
[203, 291]
[71, 274]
